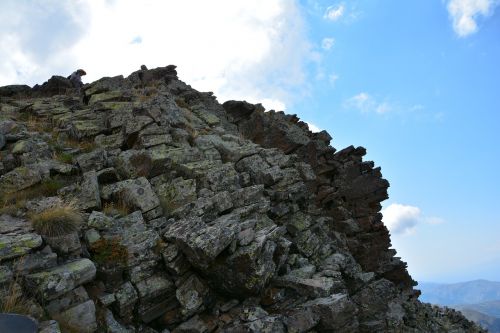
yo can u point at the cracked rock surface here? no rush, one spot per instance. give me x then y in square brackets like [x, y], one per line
[197, 217]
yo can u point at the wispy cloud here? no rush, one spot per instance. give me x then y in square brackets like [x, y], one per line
[464, 14]
[335, 12]
[327, 43]
[332, 78]
[403, 219]
[365, 102]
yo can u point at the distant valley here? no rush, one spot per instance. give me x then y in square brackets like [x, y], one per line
[478, 300]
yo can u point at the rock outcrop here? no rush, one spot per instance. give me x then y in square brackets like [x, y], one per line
[198, 217]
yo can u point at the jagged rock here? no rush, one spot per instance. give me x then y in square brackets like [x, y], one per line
[192, 295]
[135, 192]
[64, 244]
[126, 298]
[301, 320]
[193, 325]
[154, 294]
[201, 243]
[336, 313]
[95, 160]
[55, 282]
[243, 220]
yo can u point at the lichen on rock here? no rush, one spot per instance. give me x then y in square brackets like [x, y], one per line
[199, 217]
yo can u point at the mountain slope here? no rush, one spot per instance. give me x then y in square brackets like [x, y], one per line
[147, 206]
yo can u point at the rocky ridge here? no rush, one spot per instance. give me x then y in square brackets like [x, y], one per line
[198, 217]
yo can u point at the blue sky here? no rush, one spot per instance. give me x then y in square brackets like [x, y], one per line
[415, 82]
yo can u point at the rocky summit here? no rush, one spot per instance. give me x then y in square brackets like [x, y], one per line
[146, 206]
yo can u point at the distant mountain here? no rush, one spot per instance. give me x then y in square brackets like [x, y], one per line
[471, 292]
[491, 308]
[490, 323]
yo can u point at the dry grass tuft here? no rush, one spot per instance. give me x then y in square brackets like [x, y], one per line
[181, 102]
[116, 208]
[12, 300]
[57, 221]
[37, 124]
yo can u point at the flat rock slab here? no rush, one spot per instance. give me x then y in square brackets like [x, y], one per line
[14, 323]
[17, 245]
[55, 282]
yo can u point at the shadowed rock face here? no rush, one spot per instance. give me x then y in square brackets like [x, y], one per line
[199, 217]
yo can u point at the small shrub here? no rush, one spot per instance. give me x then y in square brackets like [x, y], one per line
[34, 123]
[12, 299]
[57, 221]
[109, 252]
[116, 208]
[64, 157]
[181, 102]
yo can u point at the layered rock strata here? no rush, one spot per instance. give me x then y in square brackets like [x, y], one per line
[198, 217]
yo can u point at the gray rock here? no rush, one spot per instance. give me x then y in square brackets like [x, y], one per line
[70, 299]
[192, 295]
[57, 281]
[64, 244]
[201, 243]
[81, 318]
[134, 163]
[126, 298]
[152, 292]
[89, 197]
[49, 326]
[112, 326]
[135, 192]
[301, 320]
[95, 160]
[19, 179]
[34, 262]
[336, 312]
[2, 141]
[269, 324]
[177, 193]
[193, 325]
[314, 287]
[17, 245]
[5, 275]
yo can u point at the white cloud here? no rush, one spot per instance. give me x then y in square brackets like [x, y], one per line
[366, 103]
[327, 43]
[464, 14]
[228, 47]
[403, 219]
[334, 13]
[362, 102]
[313, 127]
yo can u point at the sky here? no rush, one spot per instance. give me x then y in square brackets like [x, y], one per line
[415, 82]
